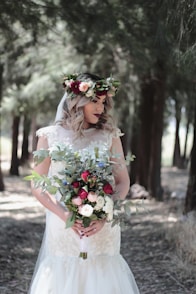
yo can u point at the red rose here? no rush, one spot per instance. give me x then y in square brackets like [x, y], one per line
[82, 193]
[84, 176]
[75, 87]
[76, 184]
[101, 92]
[107, 188]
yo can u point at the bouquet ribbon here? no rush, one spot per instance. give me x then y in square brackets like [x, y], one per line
[83, 247]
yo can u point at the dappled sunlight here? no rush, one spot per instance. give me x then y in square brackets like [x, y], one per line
[20, 207]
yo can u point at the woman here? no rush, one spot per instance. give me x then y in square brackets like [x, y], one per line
[83, 118]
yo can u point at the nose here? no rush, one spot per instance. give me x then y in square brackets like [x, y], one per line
[99, 107]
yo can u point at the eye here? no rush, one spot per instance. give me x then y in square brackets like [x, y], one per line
[98, 100]
[94, 100]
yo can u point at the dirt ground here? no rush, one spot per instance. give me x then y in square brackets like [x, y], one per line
[144, 242]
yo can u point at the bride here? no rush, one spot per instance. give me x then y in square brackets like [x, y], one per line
[83, 118]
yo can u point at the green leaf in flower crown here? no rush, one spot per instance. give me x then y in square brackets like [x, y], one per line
[40, 155]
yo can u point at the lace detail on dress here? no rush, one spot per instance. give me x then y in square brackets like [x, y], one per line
[65, 242]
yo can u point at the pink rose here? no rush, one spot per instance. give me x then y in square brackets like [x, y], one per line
[92, 197]
[82, 193]
[77, 201]
[84, 175]
[107, 188]
[83, 87]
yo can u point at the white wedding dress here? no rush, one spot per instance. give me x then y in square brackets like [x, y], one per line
[59, 269]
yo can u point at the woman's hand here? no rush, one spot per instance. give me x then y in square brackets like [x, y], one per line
[95, 227]
[78, 228]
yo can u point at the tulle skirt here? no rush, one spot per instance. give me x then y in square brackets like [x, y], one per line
[73, 275]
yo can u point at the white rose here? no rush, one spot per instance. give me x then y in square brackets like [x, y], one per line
[99, 203]
[86, 210]
[109, 205]
[89, 93]
[110, 216]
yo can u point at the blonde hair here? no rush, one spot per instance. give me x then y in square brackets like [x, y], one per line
[73, 116]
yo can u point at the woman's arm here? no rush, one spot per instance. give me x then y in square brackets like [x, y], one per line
[120, 172]
[45, 198]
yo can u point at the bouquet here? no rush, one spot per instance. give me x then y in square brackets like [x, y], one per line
[83, 179]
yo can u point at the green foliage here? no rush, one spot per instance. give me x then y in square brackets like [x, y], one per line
[40, 155]
[41, 181]
[70, 221]
[124, 38]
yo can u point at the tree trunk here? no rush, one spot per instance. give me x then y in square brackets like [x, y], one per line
[185, 144]
[177, 161]
[25, 142]
[190, 201]
[2, 187]
[134, 150]
[145, 130]
[154, 175]
[14, 160]
[33, 131]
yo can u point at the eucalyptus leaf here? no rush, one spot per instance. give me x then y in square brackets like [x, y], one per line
[70, 221]
[127, 210]
[40, 155]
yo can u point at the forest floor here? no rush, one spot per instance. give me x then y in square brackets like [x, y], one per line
[145, 245]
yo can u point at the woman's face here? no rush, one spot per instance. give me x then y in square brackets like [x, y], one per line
[93, 110]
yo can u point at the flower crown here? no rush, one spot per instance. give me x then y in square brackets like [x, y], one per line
[77, 86]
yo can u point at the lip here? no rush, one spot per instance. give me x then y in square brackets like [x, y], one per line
[97, 115]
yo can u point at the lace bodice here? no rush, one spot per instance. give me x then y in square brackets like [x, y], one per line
[57, 134]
